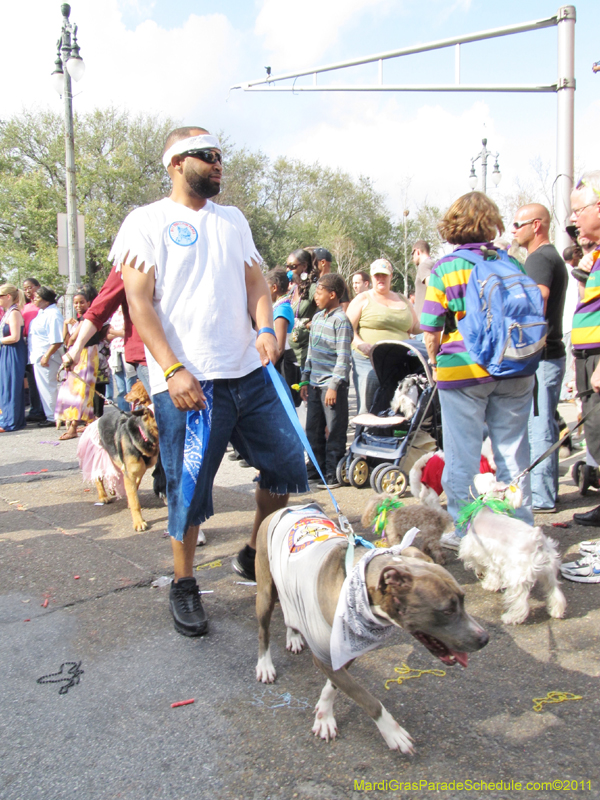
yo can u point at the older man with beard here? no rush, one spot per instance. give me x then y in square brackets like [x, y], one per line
[194, 286]
[585, 338]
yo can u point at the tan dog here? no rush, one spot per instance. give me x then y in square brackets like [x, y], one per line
[431, 522]
[308, 575]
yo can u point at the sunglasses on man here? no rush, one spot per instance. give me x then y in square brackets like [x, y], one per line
[208, 156]
[518, 225]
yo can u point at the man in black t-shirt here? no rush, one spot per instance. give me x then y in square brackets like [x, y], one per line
[545, 266]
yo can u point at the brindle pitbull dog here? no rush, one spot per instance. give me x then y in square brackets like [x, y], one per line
[409, 591]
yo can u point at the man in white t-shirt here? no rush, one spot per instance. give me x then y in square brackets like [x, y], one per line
[194, 286]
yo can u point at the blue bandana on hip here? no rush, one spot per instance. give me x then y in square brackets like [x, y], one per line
[197, 434]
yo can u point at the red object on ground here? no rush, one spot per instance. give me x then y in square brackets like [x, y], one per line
[26, 620]
[76, 577]
[560, 525]
[181, 703]
[45, 603]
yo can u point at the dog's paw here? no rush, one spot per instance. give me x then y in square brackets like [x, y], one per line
[395, 737]
[293, 641]
[557, 604]
[141, 525]
[491, 582]
[265, 670]
[514, 617]
[325, 725]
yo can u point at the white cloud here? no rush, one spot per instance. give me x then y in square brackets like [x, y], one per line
[149, 68]
[297, 34]
[431, 148]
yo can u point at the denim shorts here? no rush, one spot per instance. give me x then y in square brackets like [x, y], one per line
[246, 412]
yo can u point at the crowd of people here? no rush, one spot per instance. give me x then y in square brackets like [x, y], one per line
[192, 312]
[34, 336]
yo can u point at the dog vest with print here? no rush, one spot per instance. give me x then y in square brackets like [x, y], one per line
[300, 538]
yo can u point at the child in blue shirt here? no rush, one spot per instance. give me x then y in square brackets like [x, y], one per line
[283, 322]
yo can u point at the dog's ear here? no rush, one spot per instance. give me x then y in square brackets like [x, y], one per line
[513, 496]
[395, 583]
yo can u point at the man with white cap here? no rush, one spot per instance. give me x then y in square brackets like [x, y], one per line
[194, 286]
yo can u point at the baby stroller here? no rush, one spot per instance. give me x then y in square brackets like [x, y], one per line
[387, 444]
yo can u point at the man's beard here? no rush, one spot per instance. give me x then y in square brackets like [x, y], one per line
[203, 187]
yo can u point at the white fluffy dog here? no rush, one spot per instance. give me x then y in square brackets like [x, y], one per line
[509, 554]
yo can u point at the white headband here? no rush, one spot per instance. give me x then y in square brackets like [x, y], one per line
[201, 142]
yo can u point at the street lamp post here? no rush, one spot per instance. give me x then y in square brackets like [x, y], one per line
[69, 64]
[406, 213]
[496, 176]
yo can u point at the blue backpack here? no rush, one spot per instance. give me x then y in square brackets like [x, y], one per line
[504, 329]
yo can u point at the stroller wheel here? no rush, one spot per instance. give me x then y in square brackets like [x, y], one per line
[375, 473]
[341, 473]
[393, 481]
[575, 470]
[358, 474]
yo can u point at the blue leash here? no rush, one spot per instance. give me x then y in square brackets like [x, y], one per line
[345, 526]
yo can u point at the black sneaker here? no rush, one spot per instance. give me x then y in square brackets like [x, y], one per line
[186, 606]
[332, 483]
[243, 563]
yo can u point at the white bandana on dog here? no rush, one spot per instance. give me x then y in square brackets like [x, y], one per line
[356, 630]
[202, 142]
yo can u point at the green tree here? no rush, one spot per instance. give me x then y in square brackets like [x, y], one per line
[118, 162]
[118, 156]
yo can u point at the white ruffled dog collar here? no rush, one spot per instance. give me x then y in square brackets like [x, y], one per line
[202, 142]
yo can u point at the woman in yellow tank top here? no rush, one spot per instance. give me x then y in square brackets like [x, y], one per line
[377, 315]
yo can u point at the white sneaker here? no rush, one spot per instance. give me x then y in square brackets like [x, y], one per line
[201, 538]
[586, 570]
[450, 540]
[591, 547]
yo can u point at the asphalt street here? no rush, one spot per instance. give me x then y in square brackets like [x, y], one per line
[76, 590]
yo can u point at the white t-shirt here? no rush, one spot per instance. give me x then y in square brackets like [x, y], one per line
[200, 297]
[45, 330]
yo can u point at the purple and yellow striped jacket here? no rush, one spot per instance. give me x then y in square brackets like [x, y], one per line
[446, 290]
[586, 320]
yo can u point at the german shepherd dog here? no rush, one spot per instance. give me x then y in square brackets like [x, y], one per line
[131, 441]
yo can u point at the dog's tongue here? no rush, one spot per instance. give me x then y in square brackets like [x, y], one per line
[441, 651]
[455, 657]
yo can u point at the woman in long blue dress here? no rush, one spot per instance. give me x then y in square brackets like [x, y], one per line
[13, 360]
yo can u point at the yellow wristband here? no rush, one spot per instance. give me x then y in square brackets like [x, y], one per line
[172, 368]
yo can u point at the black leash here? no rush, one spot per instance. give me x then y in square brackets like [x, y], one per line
[74, 671]
[560, 442]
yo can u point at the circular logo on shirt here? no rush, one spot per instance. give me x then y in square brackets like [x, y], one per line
[183, 233]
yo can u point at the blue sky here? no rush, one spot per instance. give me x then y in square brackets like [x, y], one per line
[179, 58]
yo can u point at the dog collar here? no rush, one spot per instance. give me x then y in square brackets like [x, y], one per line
[142, 434]
[383, 509]
[468, 512]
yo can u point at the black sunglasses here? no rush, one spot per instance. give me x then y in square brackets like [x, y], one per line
[208, 156]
